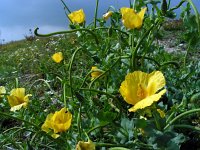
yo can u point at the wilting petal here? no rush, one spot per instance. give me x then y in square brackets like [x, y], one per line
[107, 15]
[85, 145]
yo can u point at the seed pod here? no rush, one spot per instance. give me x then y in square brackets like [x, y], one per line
[164, 7]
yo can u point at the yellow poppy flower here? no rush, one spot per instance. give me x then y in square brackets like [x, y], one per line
[107, 15]
[139, 89]
[60, 121]
[2, 91]
[131, 19]
[17, 99]
[95, 74]
[85, 145]
[57, 57]
[77, 16]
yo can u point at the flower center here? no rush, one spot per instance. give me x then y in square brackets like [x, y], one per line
[141, 93]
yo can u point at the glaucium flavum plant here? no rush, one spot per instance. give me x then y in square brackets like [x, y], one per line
[140, 89]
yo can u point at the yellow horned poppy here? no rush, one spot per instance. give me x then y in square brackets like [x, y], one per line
[57, 57]
[17, 99]
[60, 121]
[85, 145]
[77, 16]
[107, 15]
[131, 19]
[95, 74]
[140, 89]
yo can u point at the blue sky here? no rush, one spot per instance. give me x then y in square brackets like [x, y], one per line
[18, 16]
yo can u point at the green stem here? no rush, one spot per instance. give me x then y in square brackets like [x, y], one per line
[134, 50]
[180, 116]
[156, 118]
[66, 6]
[96, 127]
[186, 126]
[70, 69]
[196, 14]
[68, 31]
[79, 121]
[84, 80]
[170, 117]
[16, 83]
[95, 16]
[187, 51]
[148, 58]
[22, 120]
[105, 28]
[171, 63]
[179, 5]
[107, 145]
[134, 2]
[64, 95]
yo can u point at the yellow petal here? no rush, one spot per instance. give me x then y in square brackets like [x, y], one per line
[156, 81]
[141, 13]
[148, 101]
[18, 92]
[62, 122]
[47, 125]
[17, 107]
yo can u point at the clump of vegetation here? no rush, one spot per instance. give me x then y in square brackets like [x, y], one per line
[106, 85]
